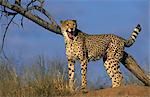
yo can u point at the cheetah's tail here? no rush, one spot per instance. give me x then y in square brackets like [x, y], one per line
[133, 36]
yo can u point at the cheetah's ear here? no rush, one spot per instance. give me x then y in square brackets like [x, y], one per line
[61, 21]
[74, 21]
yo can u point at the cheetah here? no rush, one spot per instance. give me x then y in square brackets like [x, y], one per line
[84, 48]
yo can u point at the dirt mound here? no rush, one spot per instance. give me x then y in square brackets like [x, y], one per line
[124, 91]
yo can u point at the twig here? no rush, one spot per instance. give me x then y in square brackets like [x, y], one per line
[5, 56]
[21, 22]
[18, 2]
[5, 34]
[32, 1]
[42, 10]
[15, 23]
[8, 13]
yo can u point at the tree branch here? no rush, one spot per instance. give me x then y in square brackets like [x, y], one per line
[129, 62]
[34, 18]
[42, 10]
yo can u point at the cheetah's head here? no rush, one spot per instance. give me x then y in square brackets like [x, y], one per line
[68, 28]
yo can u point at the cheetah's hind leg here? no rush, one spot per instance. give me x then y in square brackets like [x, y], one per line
[113, 70]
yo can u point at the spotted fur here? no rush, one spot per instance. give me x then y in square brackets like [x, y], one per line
[84, 47]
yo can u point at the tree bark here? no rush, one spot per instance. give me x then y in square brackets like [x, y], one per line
[129, 62]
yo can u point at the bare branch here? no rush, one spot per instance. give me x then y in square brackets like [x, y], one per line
[7, 13]
[42, 10]
[53, 26]
[36, 19]
[40, 1]
[18, 2]
[21, 22]
[5, 34]
[5, 57]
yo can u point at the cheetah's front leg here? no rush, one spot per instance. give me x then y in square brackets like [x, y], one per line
[71, 71]
[83, 74]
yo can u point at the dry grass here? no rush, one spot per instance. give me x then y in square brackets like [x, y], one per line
[38, 80]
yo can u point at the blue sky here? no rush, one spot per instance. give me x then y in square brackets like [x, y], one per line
[93, 17]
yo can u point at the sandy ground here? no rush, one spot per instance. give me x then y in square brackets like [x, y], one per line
[124, 91]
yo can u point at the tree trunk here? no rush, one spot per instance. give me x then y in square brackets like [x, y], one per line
[129, 62]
